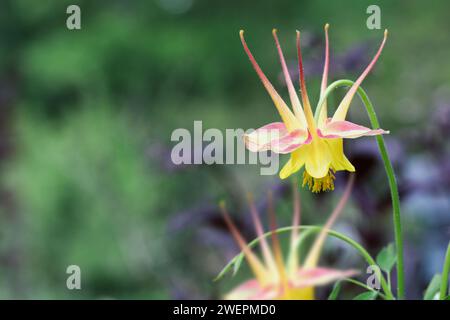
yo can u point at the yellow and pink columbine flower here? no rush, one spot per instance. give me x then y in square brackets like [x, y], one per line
[291, 279]
[316, 143]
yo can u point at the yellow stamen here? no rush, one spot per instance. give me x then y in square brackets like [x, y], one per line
[322, 184]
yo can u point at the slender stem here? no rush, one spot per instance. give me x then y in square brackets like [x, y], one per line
[366, 256]
[236, 261]
[445, 272]
[390, 174]
[362, 285]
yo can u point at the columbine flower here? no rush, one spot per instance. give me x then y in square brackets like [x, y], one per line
[275, 278]
[315, 144]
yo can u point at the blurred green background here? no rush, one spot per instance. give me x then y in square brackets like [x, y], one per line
[86, 118]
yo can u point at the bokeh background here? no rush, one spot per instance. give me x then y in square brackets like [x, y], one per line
[86, 118]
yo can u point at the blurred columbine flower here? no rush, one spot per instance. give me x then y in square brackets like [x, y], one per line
[291, 279]
[316, 144]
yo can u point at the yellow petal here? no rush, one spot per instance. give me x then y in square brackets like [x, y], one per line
[294, 164]
[318, 158]
[305, 293]
[339, 160]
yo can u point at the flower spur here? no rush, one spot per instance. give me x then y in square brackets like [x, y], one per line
[313, 141]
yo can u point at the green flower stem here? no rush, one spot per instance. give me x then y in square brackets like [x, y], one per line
[389, 171]
[445, 272]
[366, 256]
[362, 285]
[363, 252]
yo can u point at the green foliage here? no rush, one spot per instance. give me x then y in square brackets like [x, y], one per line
[86, 185]
[335, 292]
[386, 258]
[433, 287]
[369, 295]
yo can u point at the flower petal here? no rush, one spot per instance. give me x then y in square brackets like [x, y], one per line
[339, 160]
[252, 290]
[318, 158]
[347, 129]
[323, 86]
[276, 137]
[294, 164]
[311, 277]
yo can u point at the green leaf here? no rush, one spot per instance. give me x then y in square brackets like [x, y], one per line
[368, 295]
[433, 287]
[387, 258]
[335, 292]
[237, 264]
